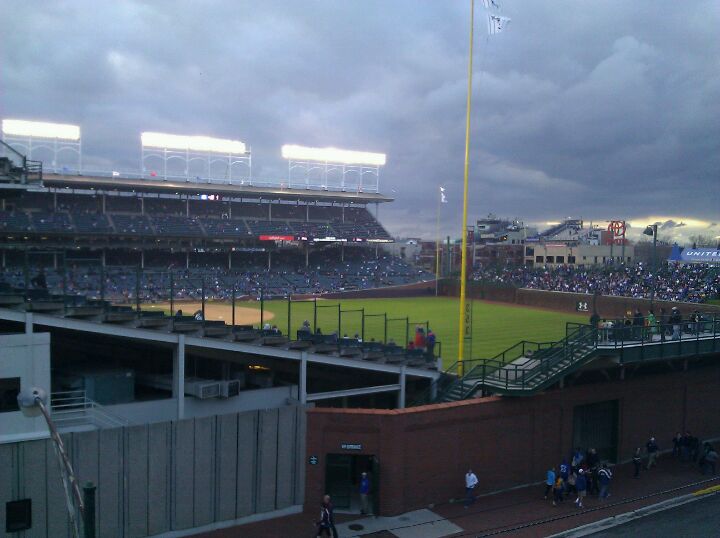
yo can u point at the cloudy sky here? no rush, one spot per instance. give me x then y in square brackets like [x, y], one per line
[601, 110]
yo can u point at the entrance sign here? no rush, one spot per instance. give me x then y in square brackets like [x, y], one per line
[349, 446]
[313, 460]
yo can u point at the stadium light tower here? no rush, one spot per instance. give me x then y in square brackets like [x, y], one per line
[652, 230]
[347, 163]
[202, 149]
[31, 136]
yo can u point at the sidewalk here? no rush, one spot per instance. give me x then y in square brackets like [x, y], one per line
[519, 513]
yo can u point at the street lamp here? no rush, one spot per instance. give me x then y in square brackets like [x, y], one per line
[33, 403]
[652, 229]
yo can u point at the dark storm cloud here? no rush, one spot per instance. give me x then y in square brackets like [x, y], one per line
[601, 110]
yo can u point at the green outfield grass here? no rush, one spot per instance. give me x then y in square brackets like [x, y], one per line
[495, 326]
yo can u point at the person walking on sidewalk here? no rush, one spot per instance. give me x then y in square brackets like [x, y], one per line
[364, 494]
[470, 482]
[581, 487]
[637, 462]
[604, 478]
[652, 451]
[549, 481]
[324, 524]
[558, 491]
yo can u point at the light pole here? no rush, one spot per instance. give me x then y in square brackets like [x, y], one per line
[33, 402]
[652, 230]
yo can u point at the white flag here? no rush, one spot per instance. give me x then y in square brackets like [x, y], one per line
[491, 4]
[115, 173]
[442, 195]
[497, 23]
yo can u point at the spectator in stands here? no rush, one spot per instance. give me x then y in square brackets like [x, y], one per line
[39, 281]
[578, 458]
[651, 324]
[471, 481]
[179, 313]
[410, 345]
[430, 344]
[652, 449]
[675, 322]
[638, 324]
[419, 338]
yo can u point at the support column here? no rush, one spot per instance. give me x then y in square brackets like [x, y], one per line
[302, 384]
[269, 260]
[55, 260]
[342, 252]
[3, 259]
[187, 206]
[307, 212]
[401, 395]
[179, 376]
[307, 255]
[187, 259]
[270, 211]
[230, 259]
[28, 323]
[142, 259]
[103, 258]
[103, 204]
[142, 205]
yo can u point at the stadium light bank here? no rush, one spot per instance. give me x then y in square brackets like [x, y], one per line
[41, 129]
[351, 166]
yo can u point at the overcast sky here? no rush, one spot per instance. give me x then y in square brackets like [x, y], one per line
[602, 110]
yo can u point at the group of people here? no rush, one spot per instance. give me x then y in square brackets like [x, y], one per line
[636, 326]
[687, 448]
[671, 281]
[584, 475]
[423, 341]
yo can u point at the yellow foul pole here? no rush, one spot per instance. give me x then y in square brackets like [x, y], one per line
[437, 246]
[463, 268]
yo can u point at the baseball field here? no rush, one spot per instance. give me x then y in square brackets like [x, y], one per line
[496, 326]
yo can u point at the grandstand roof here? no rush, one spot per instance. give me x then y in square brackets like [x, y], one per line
[187, 187]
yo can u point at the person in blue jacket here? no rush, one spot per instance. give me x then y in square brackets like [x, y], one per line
[549, 481]
[564, 474]
[364, 494]
[581, 486]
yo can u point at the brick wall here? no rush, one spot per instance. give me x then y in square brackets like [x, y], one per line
[424, 452]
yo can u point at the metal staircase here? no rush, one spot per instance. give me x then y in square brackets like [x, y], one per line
[523, 369]
[16, 168]
[529, 367]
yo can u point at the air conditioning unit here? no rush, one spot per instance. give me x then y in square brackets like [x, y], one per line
[230, 388]
[203, 389]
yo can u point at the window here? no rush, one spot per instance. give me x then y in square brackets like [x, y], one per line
[549, 259]
[9, 389]
[571, 259]
[539, 259]
[18, 515]
[560, 259]
[529, 251]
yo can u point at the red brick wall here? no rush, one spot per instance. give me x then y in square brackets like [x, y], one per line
[424, 452]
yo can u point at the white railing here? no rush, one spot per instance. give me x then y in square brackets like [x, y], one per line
[73, 408]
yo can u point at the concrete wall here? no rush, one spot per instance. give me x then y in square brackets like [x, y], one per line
[162, 410]
[26, 356]
[424, 452]
[156, 478]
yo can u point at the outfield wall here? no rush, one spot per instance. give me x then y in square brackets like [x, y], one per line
[424, 452]
[607, 306]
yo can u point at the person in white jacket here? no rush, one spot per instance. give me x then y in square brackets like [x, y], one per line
[470, 482]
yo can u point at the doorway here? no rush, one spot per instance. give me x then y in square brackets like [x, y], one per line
[596, 426]
[342, 480]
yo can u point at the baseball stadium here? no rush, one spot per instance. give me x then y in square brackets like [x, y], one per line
[238, 348]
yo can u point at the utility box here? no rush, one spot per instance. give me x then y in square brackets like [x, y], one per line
[106, 387]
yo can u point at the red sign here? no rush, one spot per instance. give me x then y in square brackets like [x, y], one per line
[277, 238]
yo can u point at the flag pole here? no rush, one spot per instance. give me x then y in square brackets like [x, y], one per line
[463, 268]
[437, 245]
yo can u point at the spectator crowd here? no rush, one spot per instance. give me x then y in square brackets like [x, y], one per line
[673, 282]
